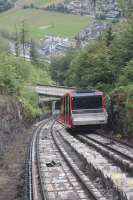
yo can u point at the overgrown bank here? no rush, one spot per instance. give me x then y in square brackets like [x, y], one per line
[15, 136]
[120, 109]
[16, 75]
[18, 110]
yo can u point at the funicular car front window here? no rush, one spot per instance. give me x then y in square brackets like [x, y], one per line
[87, 102]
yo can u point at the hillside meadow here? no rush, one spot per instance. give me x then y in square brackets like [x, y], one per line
[40, 23]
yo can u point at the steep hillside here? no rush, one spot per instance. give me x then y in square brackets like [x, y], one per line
[105, 64]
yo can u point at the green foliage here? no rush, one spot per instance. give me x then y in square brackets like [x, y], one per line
[106, 64]
[126, 76]
[127, 8]
[43, 77]
[33, 53]
[9, 83]
[30, 102]
[59, 67]
[121, 110]
[16, 74]
[122, 46]
[107, 102]
[109, 36]
[92, 68]
[129, 107]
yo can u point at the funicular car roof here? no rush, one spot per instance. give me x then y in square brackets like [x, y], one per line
[83, 93]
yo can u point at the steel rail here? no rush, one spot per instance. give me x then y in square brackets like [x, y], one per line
[31, 196]
[27, 195]
[74, 168]
[44, 193]
[125, 164]
[120, 141]
[35, 143]
[30, 193]
[121, 195]
[128, 157]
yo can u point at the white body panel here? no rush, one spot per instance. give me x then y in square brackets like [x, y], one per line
[90, 118]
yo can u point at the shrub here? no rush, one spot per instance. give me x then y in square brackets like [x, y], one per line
[121, 110]
[30, 101]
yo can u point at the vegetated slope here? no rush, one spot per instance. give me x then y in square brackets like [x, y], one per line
[39, 23]
[14, 141]
[106, 64]
[18, 110]
[16, 74]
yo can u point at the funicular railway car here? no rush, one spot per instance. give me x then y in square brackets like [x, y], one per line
[81, 108]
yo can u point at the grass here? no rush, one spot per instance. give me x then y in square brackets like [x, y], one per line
[40, 23]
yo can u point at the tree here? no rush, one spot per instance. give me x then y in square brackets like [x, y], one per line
[17, 42]
[92, 68]
[122, 46]
[59, 67]
[126, 76]
[109, 36]
[127, 8]
[130, 9]
[23, 34]
[33, 53]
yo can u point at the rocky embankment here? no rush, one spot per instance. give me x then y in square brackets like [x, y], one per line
[14, 139]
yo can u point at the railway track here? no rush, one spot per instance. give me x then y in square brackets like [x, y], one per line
[85, 182]
[58, 176]
[120, 153]
[34, 185]
[112, 168]
[66, 167]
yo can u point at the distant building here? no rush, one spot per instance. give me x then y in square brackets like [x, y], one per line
[97, 8]
[91, 32]
[54, 45]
